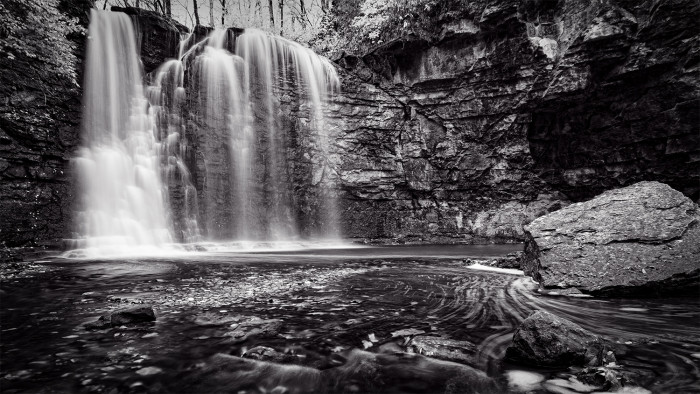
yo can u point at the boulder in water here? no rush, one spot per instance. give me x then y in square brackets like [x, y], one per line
[643, 239]
[544, 339]
[139, 314]
[135, 315]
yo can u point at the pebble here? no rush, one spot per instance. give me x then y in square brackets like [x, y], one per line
[148, 371]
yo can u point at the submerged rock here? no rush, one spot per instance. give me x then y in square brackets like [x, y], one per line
[444, 348]
[226, 373]
[361, 371]
[139, 314]
[405, 372]
[547, 340]
[643, 239]
[135, 315]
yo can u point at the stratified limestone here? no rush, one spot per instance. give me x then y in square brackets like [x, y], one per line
[643, 239]
[474, 131]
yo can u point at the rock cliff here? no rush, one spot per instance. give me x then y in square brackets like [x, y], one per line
[513, 109]
[507, 111]
[39, 132]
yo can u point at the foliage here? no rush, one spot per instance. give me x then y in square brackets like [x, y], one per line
[363, 24]
[35, 29]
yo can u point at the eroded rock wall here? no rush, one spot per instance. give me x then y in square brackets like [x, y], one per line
[39, 132]
[516, 109]
[511, 110]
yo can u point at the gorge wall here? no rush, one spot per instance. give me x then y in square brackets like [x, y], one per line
[513, 110]
[517, 108]
[39, 133]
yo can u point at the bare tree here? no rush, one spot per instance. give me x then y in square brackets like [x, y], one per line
[281, 7]
[211, 13]
[196, 13]
[272, 14]
[302, 13]
[224, 12]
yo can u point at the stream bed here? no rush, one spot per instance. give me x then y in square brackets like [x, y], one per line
[377, 319]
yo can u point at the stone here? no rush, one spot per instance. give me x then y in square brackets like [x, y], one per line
[158, 35]
[148, 371]
[407, 372]
[127, 316]
[264, 353]
[139, 314]
[237, 373]
[544, 339]
[100, 324]
[643, 239]
[444, 349]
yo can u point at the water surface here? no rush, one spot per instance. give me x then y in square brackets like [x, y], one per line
[316, 309]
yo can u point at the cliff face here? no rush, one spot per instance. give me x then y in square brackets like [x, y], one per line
[39, 132]
[517, 108]
[511, 110]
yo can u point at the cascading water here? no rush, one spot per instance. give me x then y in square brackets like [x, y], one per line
[167, 97]
[240, 83]
[123, 206]
[205, 153]
[276, 67]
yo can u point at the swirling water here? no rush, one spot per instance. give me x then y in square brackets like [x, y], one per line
[319, 309]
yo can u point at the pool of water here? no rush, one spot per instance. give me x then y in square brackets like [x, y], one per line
[375, 319]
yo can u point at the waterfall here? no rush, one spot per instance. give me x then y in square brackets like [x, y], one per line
[228, 142]
[277, 67]
[242, 81]
[123, 207]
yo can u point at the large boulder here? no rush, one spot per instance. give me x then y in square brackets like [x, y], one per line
[643, 239]
[547, 340]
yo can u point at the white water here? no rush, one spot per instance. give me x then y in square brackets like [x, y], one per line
[276, 65]
[239, 94]
[136, 165]
[122, 201]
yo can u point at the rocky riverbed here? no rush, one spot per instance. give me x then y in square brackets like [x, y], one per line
[400, 319]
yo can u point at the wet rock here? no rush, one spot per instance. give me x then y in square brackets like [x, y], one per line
[139, 314]
[547, 340]
[236, 373]
[135, 315]
[253, 326]
[158, 35]
[264, 353]
[511, 260]
[643, 240]
[100, 324]
[405, 372]
[148, 371]
[39, 132]
[444, 348]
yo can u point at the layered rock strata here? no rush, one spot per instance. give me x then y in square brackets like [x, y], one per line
[472, 133]
[511, 110]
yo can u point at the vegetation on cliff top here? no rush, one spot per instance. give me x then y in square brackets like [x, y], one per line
[36, 29]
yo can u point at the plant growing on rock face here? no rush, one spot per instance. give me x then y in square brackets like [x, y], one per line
[361, 24]
[36, 29]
